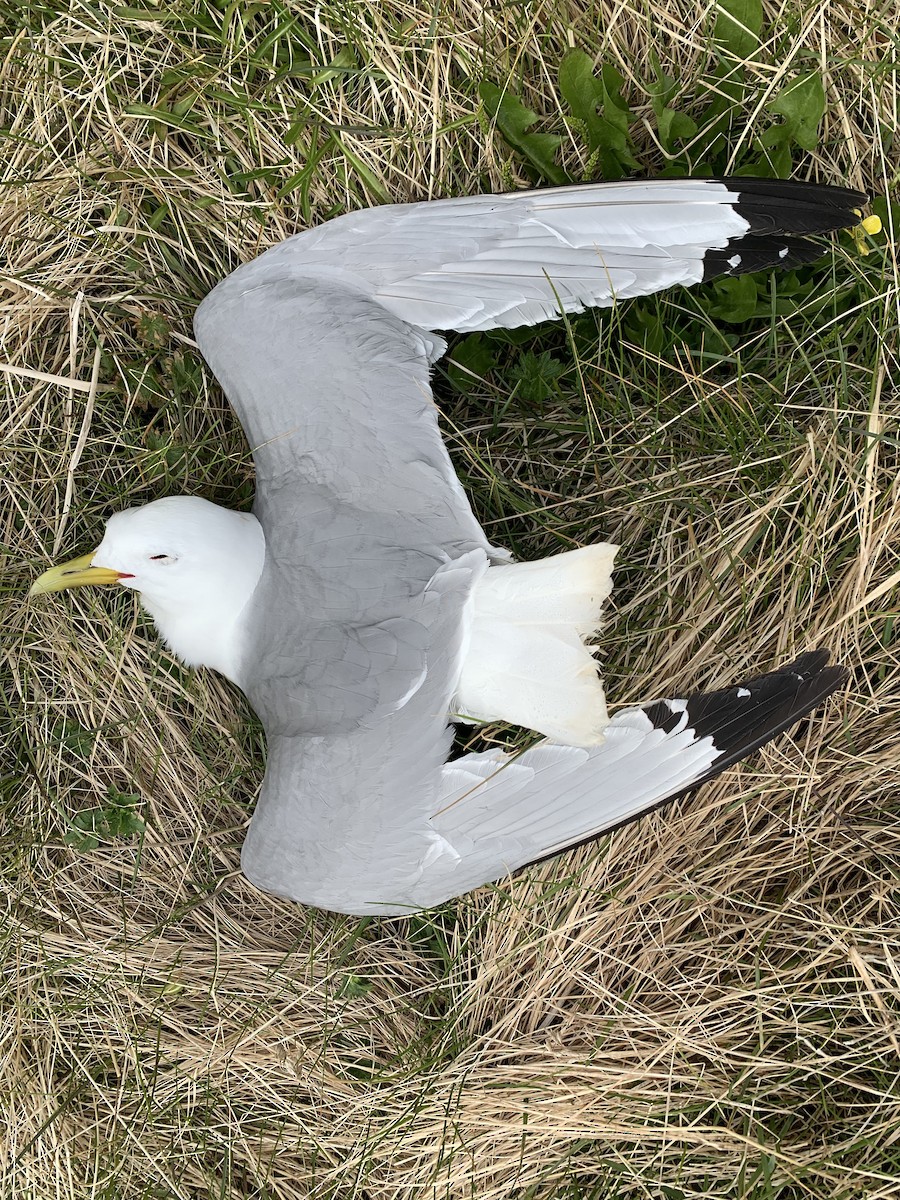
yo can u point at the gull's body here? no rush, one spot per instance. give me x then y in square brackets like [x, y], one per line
[365, 602]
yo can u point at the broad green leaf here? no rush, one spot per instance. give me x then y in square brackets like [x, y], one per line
[670, 124]
[116, 819]
[352, 987]
[776, 146]
[153, 329]
[618, 115]
[738, 25]
[121, 822]
[598, 105]
[470, 360]
[645, 327]
[674, 126]
[802, 104]
[737, 299]
[514, 120]
[583, 93]
[79, 838]
[536, 375]
[728, 91]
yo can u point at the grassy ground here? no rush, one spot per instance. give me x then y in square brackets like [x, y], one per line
[705, 1005]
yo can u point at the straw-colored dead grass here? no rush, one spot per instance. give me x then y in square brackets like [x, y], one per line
[707, 1005]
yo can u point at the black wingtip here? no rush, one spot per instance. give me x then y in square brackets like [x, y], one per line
[780, 213]
[794, 205]
[753, 252]
[740, 719]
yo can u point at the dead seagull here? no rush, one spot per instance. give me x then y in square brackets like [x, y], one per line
[362, 607]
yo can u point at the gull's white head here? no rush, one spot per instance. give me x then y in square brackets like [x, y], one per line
[195, 566]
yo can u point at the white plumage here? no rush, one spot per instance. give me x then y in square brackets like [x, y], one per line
[528, 659]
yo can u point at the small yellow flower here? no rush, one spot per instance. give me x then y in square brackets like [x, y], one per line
[868, 225]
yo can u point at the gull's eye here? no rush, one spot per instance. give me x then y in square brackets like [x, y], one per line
[160, 557]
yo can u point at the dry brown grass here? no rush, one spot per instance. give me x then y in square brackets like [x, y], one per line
[707, 1005]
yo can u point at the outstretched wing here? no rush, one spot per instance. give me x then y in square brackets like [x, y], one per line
[485, 262]
[322, 345]
[340, 822]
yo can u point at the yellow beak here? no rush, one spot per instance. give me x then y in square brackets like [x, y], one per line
[76, 573]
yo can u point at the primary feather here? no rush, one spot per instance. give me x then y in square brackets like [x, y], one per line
[487, 262]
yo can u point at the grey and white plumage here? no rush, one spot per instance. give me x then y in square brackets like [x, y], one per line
[354, 641]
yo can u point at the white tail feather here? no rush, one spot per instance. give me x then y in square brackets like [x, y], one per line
[527, 660]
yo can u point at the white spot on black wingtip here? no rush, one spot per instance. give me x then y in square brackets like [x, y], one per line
[759, 252]
[743, 693]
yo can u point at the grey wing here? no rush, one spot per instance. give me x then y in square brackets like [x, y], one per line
[373, 824]
[342, 821]
[369, 823]
[356, 494]
[323, 345]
